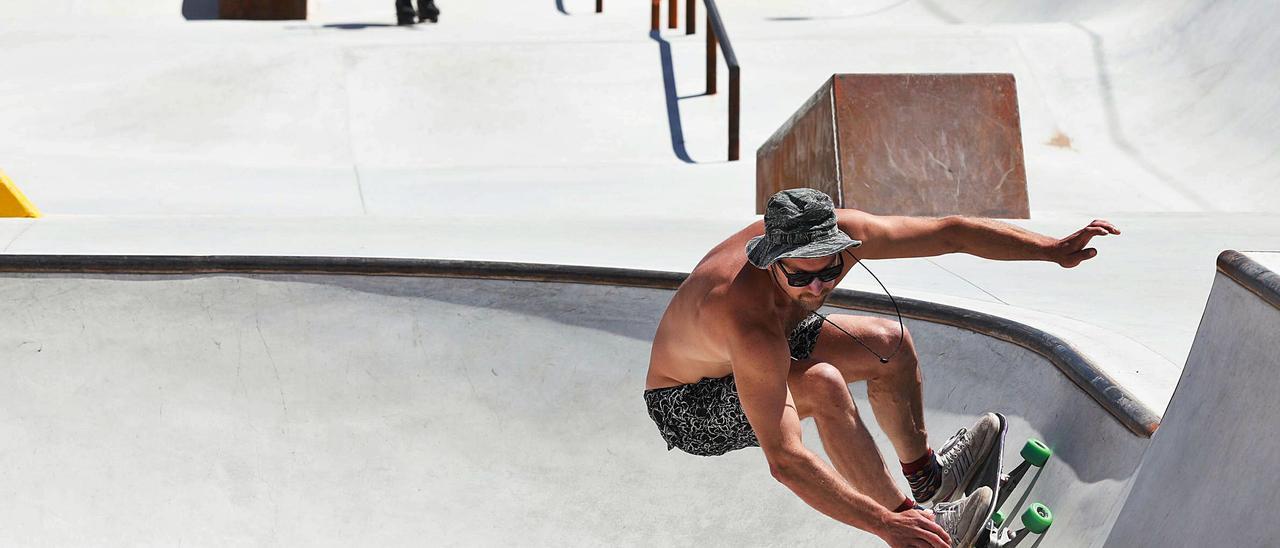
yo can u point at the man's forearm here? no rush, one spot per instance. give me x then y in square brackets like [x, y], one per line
[819, 486]
[992, 239]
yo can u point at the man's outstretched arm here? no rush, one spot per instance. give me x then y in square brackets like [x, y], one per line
[1002, 241]
[761, 364]
[894, 237]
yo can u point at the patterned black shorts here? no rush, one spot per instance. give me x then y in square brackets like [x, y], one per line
[804, 337]
[706, 418]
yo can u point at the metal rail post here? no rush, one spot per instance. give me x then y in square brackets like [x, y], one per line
[711, 58]
[716, 35]
[735, 107]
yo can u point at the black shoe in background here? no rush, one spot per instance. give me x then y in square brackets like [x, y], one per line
[427, 11]
[404, 12]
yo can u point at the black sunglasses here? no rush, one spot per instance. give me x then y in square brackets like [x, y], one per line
[802, 278]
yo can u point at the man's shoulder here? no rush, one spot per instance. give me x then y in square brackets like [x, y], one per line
[740, 303]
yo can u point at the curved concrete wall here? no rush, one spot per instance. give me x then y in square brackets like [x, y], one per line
[1206, 479]
[238, 409]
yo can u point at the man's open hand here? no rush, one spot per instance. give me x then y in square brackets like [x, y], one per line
[1071, 251]
[914, 529]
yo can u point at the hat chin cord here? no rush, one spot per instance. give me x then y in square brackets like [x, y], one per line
[901, 329]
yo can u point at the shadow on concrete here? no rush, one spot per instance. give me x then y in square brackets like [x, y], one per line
[199, 10]
[357, 26]
[673, 100]
[624, 311]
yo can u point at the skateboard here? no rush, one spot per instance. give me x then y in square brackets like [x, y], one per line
[1036, 519]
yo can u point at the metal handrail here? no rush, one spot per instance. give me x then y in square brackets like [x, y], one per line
[717, 33]
[717, 37]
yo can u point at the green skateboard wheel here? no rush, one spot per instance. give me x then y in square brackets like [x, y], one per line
[1037, 518]
[997, 519]
[1036, 452]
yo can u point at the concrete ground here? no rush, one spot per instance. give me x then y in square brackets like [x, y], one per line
[320, 410]
[542, 132]
[138, 131]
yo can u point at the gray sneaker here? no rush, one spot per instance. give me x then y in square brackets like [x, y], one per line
[965, 519]
[962, 456]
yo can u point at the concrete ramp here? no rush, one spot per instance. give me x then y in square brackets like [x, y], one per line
[338, 402]
[1207, 479]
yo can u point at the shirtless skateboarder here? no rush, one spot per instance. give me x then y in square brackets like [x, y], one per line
[741, 356]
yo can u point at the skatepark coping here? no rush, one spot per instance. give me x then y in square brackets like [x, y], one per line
[1119, 402]
[1252, 275]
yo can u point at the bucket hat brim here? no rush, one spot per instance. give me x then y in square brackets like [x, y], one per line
[762, 253]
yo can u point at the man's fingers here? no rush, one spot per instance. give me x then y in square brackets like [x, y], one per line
[1072, 250]
[1087, 233]
[937, 542]
[932, 526]
[1082, 238]
[1106, 225]
[1078, 257]
[943, 540]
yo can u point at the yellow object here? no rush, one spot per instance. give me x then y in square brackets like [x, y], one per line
[12, 202]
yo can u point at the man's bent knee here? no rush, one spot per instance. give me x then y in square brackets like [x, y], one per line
[821, 389]
[902, 358]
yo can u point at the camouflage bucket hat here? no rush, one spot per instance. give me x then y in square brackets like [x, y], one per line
[798, 223]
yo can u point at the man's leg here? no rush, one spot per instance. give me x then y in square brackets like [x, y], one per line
[895, 389]
[819, 391]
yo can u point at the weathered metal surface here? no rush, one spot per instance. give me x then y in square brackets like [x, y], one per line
[802, 153]
[911, 144]
[265, 10]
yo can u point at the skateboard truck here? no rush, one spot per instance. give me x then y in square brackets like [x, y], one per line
[1034, 453]
[1036, 520]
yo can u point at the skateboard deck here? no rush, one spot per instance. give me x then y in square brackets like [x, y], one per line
[990, 473]
[1037, 518]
